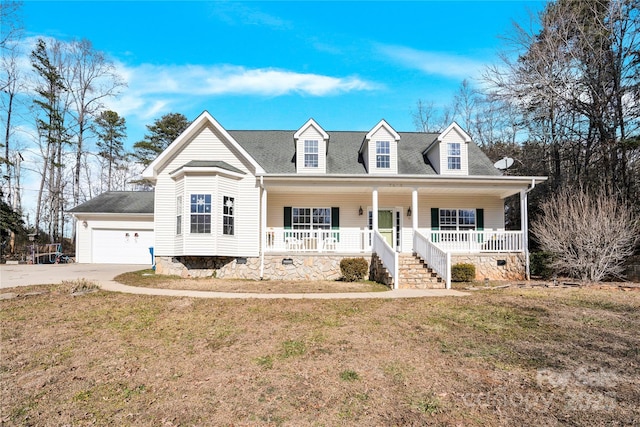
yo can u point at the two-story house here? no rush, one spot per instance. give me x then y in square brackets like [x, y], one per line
[291, 204]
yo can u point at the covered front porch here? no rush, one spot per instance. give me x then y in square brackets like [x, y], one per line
[431, 217]
[284, 241]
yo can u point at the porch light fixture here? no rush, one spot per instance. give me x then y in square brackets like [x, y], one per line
[84, 224]
[409, 211]
[360, 211]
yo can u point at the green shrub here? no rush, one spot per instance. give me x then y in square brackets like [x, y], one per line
[463, 272]
[540, 263]
[354, 269]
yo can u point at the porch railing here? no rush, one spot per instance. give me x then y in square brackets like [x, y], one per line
[436, 258]
[318, 241]
[387, 255]
[476, 241]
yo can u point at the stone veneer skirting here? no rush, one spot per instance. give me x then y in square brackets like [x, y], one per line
[295, 267]
[487, 267]
[323, 267]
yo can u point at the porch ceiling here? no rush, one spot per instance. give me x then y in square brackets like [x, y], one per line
[490, 186]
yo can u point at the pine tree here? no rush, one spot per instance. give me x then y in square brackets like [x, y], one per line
[161, 133]
[111, 131]
[53, 132]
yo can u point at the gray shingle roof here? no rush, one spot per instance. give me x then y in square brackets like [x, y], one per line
[274, 150]
[209, 164]
[124, 202]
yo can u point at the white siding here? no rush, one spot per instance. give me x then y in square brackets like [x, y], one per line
[382, 134]
[227, 243]
[493, 208]
[454, 136]
[202, 243]
[311, 133]
[206, 145]
[179, 239]
[118, 224]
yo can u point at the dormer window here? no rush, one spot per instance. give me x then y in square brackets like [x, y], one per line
[311, 153]
[453, 153]
[383, 155]
[311, 144]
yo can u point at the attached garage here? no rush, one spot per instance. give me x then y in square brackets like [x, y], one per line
[115, 228]
[111, 246]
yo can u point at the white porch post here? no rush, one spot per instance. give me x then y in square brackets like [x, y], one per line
[263, 229]
[524, 226]
[414, 209]
[374, 208]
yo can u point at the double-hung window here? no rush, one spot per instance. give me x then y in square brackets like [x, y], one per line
[228, 223]
[200, 209]
[179, 215]
[311, 218]
[311, 153]
[457, 220]
[453, 156]
[383, 155]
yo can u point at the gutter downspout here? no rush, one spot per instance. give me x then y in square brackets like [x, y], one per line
[263, 221]
[524, 220]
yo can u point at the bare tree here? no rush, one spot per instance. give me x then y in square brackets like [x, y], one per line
[90, 78]
[426, 118]
[589, 234]
[464, 106]
[10, 85]
[11, 27]
[576, 84]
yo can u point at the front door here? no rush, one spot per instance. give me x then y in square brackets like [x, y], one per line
[385, 225]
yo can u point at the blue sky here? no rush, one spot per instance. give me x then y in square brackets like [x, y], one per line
[273, 65]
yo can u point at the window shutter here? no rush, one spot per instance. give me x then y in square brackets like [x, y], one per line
[479, 219]
[435, 223]
[335, 222]
[480, 224]
[435, 218]
[335, 218]
[287, 218]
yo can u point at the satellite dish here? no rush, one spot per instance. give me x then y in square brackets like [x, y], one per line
[504, 163]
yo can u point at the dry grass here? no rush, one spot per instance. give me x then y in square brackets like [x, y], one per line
[147, 278]
[507, 357]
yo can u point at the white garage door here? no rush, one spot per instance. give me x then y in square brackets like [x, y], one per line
[115, 247]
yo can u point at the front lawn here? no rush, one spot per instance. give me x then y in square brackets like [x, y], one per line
[497, 357]
[148, 278]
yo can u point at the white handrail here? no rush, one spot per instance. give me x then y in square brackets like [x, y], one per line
[387, 255]
[477, 240]
[436, 258]
[317, 241]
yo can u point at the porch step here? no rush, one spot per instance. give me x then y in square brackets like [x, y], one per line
[416, 274]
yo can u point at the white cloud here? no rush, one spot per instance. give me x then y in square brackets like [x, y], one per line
[153, 89]
[434, 63]
[201, 80]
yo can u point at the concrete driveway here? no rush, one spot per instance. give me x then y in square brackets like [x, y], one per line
[44, 274]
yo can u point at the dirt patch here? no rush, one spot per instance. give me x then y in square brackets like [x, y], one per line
[510, 357]
[147, 278]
